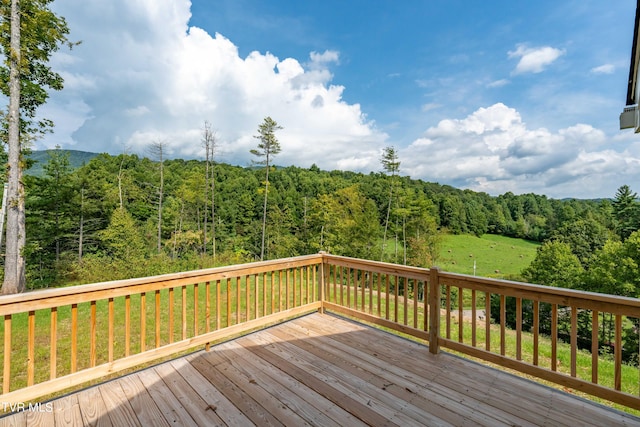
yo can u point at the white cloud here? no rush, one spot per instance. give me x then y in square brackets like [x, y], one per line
[534, 60]
[604, 69]
[493, 150]
[141, 75]
[499, 83]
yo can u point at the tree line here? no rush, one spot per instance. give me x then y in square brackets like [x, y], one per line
[124, 215]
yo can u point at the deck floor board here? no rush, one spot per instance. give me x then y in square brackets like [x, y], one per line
[321, 370]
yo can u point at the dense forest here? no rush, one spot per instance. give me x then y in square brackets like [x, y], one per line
[122, 216]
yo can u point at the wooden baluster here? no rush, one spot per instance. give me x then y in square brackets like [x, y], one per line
[74, 337]
[183, 319]
[379, 292]
[207, 307]
[247, 297]
[386, 305]
[618, 354]
[171, 314]
[396, 296]
[341, 286]
[355, 287]
[503, 324]
[425, 303]
[594, 346]
[536, 332]
[349, 287]
[364, 287]
[280, 290]
[157, 318]
[92, 332]
[448, 311]
[474, 318]
[295, 286]
[111, 339]
[195, 308]
[53, 344]
[238, 300]
[405, 292]
[554, 337]
[6, 371]
[518, 328]
[370, 292]
[273, 292]
[434, 311]
[460, 314]
[228, 302]
[127, 325]
[416, 291]
[487, 321]
[308, 284]
[31, 348]
[218, 304]
[143, 321]
[574, 339]
[335, 284]
[256, 300]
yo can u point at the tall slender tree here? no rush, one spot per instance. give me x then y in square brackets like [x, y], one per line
[29, 34]
[268, 147]
[156, 149]
[391, 166]
[210, 143]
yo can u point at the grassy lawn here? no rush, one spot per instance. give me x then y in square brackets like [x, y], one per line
[494, 256]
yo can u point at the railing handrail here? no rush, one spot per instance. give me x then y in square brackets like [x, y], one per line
[46, 298]
[430, 281]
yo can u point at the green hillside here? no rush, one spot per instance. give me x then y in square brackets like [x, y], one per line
[494, 256]
[76, 160]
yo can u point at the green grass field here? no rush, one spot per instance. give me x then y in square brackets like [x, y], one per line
[494, 256]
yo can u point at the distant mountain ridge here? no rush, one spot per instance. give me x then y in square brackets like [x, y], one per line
[77, 159]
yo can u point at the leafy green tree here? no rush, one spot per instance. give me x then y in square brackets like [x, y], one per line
[423, 243]
[29, 34]
[584, 236]
[122, 239]
[625, 211]
[554, 265]
[268, 147]
[614, 268]
[346, 223]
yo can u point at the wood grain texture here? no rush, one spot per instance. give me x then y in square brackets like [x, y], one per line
[321, 370]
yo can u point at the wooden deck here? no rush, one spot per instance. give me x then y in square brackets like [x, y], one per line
[320, 370]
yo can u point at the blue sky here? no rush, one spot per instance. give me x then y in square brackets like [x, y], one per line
[493, 96]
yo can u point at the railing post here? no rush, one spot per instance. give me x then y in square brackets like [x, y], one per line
[323, 281]
[434, 310]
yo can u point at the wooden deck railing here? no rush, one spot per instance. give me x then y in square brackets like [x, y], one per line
[454, 311]
[59, 338]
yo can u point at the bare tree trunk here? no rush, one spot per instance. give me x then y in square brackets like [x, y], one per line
[14, 271]
[120, 180]
[160, 202]
[213, 206]
[209, 142]
[206, 187]
[264, 210]
[81, 233]
[157, 150]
